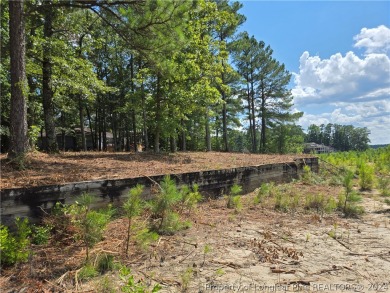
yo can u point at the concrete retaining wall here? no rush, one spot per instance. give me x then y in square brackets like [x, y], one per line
[30, 202]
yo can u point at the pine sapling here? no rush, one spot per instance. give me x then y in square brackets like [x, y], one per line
[133, 207]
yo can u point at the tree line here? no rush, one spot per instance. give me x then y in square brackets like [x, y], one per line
[341, 137]
[172, 75]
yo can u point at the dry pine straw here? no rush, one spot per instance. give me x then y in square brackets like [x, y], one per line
[65, 167]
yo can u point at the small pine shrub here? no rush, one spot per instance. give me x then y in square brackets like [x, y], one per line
[331, 205]
[133, 207]
[40, 234]
[306, 176]
[366, 177]
[144, 238]
[87, 272]
[163, 205]
[190, 197]
[282, 202]
[131, 286]
[91, 224]
[105, 285]
[384, 186]
[105, 263]
[14, 247]
[264, 191]
[234, 199]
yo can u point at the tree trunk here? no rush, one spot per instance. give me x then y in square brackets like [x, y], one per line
[47, 93]
[250, 114]
[144, 126]
[91, 128]
[263, 122]
[183, 136]
[104, 130]
[81, 122]
[208, 136]
[18, 116]
[224, 127]
[157, 129]
[253, 116]
[172, 144]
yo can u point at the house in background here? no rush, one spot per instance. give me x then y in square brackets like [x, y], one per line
[315, 148]
[71, 140]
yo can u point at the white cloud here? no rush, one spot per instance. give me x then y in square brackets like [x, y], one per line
[354, 90]
[374, 40]
[343, 78]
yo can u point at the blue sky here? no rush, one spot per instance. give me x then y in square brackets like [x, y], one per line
[339, 54]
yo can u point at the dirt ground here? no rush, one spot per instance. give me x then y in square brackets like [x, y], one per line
[255, 250]
[65, 167]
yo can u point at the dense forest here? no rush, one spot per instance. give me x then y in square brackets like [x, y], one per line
[341, 137]
[113, 74]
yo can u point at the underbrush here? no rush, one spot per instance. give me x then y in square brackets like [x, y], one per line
[145, 223]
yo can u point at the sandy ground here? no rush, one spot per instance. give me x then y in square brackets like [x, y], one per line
[255, 250]
[44, 169]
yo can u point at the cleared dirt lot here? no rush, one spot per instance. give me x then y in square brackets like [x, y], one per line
[255, 250]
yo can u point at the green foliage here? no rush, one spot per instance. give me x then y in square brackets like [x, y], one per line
[306, 175]
[40, 234]
[144, 238]
[133, 207]
[131, 286]
[91, 223]
[320, 203]
[341, 137]
[105, 285]
[186, 278]
[282, 202]
[105, 262]
[190, 197]
[33, 134]
[366, 176]
[87, 272]
[234, 199]
[163, 205]
[264, 191]
[384, 186]
[14, 247]
[347, 201]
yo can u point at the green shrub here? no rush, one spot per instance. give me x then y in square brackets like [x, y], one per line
[91, 224]
[163, 204]
[264, 191]
[190, 197]
[306, 175]
[234, 199]
[40, 234]
[282, 202]
[133, 207]
[14, 247]
[384, 186]
[131, 286]
[144, 238]
[366, 177]
[105, 285]
[87, 272]
[105, 262]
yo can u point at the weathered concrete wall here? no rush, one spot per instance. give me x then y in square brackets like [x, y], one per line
[30, 202]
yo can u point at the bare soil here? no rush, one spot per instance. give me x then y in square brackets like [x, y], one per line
[255, 250]
[66, 167]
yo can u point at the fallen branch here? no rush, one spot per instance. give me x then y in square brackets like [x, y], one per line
[341, 243]
[282, 271]
[184, 258]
